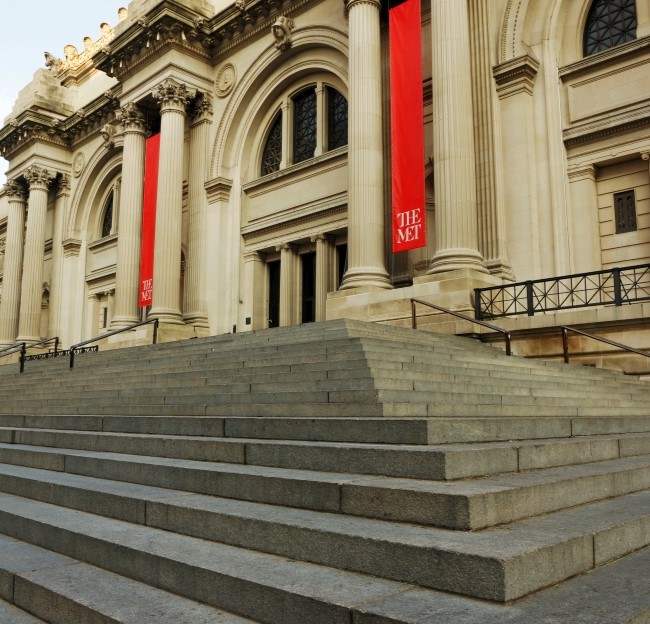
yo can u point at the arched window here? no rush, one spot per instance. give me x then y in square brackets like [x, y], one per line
[311, 132]
[107, 219]
[272, 156]
[609, 23]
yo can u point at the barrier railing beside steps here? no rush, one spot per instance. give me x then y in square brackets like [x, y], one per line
[81, 346]
[565, 342]
[22, 347]
[414, 320]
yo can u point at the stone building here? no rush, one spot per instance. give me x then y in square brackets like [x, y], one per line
[273, 197]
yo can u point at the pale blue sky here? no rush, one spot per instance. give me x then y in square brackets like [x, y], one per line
[28, 29]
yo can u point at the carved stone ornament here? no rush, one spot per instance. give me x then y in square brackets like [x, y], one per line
[78, 164]
[172, 94]
[15, 189]
[131, 117]
[38, 177]
[281, 31]
[201, 107]
[240, 4]
[225, 81]
[108, 135]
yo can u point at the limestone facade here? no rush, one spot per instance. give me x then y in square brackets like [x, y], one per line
[274, 189]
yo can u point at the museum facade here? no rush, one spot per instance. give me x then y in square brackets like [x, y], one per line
[274, 171]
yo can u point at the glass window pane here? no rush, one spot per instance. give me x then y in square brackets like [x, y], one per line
[304, 125]
[337, 135]
[272, 155]
[609, 23]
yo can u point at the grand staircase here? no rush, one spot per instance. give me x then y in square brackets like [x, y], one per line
[334, 473]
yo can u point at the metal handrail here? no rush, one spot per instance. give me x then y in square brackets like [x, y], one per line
[565, 342]
[414, 322]
[19, 347]
[76, 347]
[41, 343]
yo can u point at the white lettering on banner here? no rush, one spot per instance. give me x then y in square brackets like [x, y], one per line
[409, 225]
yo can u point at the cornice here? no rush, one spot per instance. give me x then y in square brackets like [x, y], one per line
[218, 189]
[607, 126]
[516, 75]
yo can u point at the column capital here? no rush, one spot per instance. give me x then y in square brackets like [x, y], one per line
[582, 172]
[287, 247]
[645, 155]
[201, 108]
[15, 190]
[131, 117]
[352, 3]
[173, 95]
[38, 177]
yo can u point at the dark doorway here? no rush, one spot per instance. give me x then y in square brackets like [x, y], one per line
[341, 263]
[308, 261]
[274, 293]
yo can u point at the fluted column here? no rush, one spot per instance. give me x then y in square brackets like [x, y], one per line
[366, 264]
[29, 324]
[174, 98]
[13, 266]
[195, 305]
[453, 140]
[56, 287]
[127, 281]
[288, 304]
[324, 272]
[489, 167]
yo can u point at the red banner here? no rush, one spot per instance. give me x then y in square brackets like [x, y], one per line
[407, 118]
[151, 158]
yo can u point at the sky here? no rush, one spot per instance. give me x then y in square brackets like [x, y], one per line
[28, 30]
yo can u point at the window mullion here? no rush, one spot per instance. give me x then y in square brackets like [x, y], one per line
[287, 133]
[321, 117]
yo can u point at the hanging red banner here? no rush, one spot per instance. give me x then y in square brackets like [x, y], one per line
[151, 158]
[407, 115]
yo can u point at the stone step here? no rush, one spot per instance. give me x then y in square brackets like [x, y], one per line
[448, 462]
[463, 505]
[547, 549]
[51, 585]
[10, 614]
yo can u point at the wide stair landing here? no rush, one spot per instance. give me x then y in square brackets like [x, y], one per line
[339, 472]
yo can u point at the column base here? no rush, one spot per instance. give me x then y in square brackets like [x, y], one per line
[120, 322]
[170, 316]
[368, 278]
[456, 259]
[501, 269]
[197, 319]
[29, 339]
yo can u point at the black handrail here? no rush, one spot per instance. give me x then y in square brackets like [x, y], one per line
[41, 343]
[18, 347]
[414, 322]
[565, 342]
[76, 347]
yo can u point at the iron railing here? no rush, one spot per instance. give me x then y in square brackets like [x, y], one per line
[80, 347]
[504, 332]
[611, 287]
[22, 347]
[18, 347]
[565, 342]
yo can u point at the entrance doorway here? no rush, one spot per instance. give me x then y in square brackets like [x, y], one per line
[274, 293]
[308, 303]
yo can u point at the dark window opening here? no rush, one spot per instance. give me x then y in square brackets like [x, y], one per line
[609, 23]
[272, 155]
[308, 303]
[625, 212]
[304, 125]
[274, 293]
[337, 119]
[107, 222]
[341, 263]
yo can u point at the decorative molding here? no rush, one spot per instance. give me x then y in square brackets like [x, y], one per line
[131, 117]
[107, 133]
[78, 164]
[38, 177]
[607, 126]
[516, 76]
[173, 95]
[201, 108]
[218, 189]
[71, 247]
[296, 222]
[281, 31]
[225, 80]
[577, 173]
[15, 190]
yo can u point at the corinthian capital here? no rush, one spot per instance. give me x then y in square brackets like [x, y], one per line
[131, 117]
[202, 107]
[349, 4]
[15, 190]
[173, 95]
[38, 177]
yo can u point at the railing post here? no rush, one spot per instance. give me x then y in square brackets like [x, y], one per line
[71, 357]
[618, 295]
[414, 320]
[565, 344]
[477, 304]
[155, 331]
[530, 306]
[23, 353]
[56, 346]
[508, 347]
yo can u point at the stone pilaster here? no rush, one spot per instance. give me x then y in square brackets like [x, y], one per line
[56, 286]
[489, 169]
[174, 98]
[127, 279]
[453, 140]
[584, 222]
[256, 303]
[366, 263]
[13, 265]
[195, 304]
[29, 325]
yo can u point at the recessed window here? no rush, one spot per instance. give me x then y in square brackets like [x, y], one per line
[310, 132]
[609, 23]
[107, 220]
[272, 156]
[625, 212]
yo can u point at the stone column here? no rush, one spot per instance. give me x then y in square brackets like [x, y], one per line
[584, 222]
[256, 303]
[288, 304]
[489, 168]
[453, 141]
[195, 304]
[56, 300]
[13, 266]
[174, 98]
[324, 272]
[366, 263]
[29, 325]
[127, 279]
